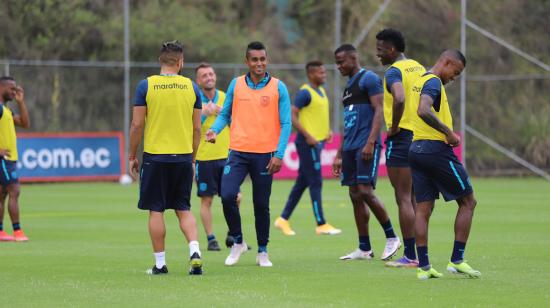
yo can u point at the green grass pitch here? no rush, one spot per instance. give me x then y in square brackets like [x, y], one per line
[89, 246]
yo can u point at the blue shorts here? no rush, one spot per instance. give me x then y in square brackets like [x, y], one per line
[8, 174]
[358, 171]
[397, 149]
[208, 175]
[436, 169]
[165, 185]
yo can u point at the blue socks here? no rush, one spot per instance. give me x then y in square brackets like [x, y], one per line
[458, 252]
[16, 226]
[238, 238]
[364, 243]
[423, 260]
[262, 249]
[210, 237]
[388, 229]
[1, 226]
[409, 248]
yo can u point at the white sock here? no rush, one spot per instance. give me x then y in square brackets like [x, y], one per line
[160, 261]
[194, 247]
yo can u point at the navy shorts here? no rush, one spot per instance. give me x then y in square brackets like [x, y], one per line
[397, 149]
[165, 185]
[208, 175]
[358, 171]
[8, 174]
[436, 169]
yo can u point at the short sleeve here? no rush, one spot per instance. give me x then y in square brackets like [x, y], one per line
[302, 99]
[371, 83]
[432, 88]
[141, 93]
[392, 75]
[198, 100]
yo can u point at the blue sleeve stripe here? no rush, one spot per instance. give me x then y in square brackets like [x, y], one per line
[284, 119]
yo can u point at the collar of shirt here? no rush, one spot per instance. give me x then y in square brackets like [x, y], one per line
[352, 78]
[205, 98]
[260, 84]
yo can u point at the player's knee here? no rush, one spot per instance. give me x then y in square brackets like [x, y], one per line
[228, 197]
[355, 196]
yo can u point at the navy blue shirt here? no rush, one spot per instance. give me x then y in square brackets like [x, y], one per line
[358, 117]
[303, 97]
[432, 88]
[392, 75]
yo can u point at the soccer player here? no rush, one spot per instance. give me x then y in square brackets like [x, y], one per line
[168, 108]
[9, 181]
[211, 157]
[310, 118]
[258, 106]
[435, 168]
[398, 111]
[357, 159]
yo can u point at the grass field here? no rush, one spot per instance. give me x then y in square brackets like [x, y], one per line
[89, 246]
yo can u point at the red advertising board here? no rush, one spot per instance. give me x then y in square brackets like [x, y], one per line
[291, 161]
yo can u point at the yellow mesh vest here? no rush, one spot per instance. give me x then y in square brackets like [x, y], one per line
[421, 130]
[411, 71]
[315, 116]
[169, 123]
[220, 149]
[8, 139]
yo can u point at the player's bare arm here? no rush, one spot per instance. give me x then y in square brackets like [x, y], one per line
[377, 104]
[196, 131]
[337, 164]
[426, 114]
[21, 120]
[136, 135]
[398, 107]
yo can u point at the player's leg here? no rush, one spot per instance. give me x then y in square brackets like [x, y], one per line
[425, 194]
[151, 192]
[401, 180]
[305, 165]
[423, 212]
[4, 236]
[180, 181]
[454, 184]
[360, 209]
[234, 173]
[314, 178]
[208, 177]
[14, 190]
[361, 215]
[261, 192]
[367, 174]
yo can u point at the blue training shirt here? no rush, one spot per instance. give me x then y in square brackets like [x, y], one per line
[432, 88]
[303, 98]
[392, 75]
[206, 100]
[224, 118]
[358, 117]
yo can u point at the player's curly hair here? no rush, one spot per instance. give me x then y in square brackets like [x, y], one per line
[393, 37]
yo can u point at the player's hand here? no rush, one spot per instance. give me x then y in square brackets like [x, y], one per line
[453, 139]
[311, 141]
[368, 151]
[394, 131]
[274, 165]
[5, 153]
[217, 109]
[337, 166]
[211, 136]
[133, 166]
[19, 94]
